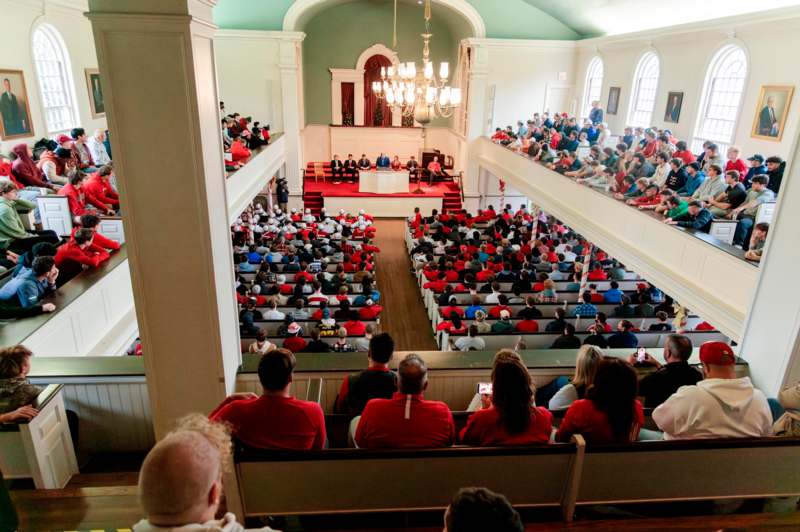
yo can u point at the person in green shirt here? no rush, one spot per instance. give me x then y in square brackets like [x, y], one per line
[13, 235]
[504, 325]
[676, 207]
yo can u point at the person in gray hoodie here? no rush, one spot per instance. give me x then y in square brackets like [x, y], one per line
[180, 483]
[720, 406]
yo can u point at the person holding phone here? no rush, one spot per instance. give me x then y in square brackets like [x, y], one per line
[658, 386]
[511, 418]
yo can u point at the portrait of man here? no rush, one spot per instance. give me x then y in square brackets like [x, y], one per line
[773, 107]
[16, 119]
[674, 104]
[96, 101]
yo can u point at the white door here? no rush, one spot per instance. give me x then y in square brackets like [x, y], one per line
[556, 99]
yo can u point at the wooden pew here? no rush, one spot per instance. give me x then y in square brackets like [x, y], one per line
[40, 449]
[544, 340]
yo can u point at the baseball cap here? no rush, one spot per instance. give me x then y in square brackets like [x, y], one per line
[774, 159]
[757, 157]
[717, 354]
[61, 139]
[504, 314]
[293, 328]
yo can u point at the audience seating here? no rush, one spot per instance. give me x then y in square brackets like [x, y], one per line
[55, 215]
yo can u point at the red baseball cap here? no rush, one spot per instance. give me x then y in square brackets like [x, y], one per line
[61, 139]
[717, 354]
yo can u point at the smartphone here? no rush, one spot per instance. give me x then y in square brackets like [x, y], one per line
[641, 354]
[485, 388]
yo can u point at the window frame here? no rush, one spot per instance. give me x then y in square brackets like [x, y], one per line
[641, 64]
[587, 97]
[67, 79]
[714, 64]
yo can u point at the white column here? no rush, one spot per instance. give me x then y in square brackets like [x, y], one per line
[476, 118]
[771, 339]
[160, 84]
[290, 67]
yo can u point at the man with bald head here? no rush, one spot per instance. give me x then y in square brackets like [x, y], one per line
[180, 483]
[406, 420]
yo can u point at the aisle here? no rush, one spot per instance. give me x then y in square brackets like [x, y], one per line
[403, 314]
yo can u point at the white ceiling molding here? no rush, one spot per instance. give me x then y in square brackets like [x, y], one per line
[297, 36]
[519, 43]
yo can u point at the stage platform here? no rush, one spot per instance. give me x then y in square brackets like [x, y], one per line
[441, 196]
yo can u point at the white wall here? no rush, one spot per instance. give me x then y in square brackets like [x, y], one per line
[248, 75]
[521, 72]
[19, 19]
[685, 56]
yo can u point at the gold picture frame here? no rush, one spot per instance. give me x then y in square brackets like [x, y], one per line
[15, 108]
[774, 102]
[97, 104]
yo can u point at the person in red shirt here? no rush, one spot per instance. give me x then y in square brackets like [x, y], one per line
[370, 311]
[355, 327]
[650, 198]
[704, 326]
[238, 150]
[276, 420]
[527, 325]
[453, 307]
[735, 162]
[597, 273]
[98, 190]
[611, 413]
[76, 199]
[406, 420]
[683, 153]
[294, 342]
[453, 325]
[76, 255]
[99, 242]
[438, 285]
[500, 135]
[511, 419]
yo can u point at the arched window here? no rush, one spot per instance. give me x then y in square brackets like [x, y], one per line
[722, 98]
[594, 84]
[55, 79]
[645, 85]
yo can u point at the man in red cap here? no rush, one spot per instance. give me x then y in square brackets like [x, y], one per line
[720, 406]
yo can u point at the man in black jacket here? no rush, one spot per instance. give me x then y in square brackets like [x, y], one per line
[377, 381]
[350, 168]
[337, 169]
[658, 386]
[698, 218]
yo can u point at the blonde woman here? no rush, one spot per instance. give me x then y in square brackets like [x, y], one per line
[589, 356]
[481, 323]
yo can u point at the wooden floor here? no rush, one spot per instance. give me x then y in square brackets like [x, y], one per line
[403, 314]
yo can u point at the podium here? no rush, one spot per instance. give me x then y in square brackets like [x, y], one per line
[383, 181]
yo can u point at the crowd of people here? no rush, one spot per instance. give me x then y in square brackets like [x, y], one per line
[35, 262]
[462, 254]
[240, 136]
[650, 169]
[332, 293]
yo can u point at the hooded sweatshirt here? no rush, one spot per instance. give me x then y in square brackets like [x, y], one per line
[226, 524]
[715, 408]
[789, 423]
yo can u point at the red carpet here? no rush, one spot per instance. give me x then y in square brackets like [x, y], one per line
[328, 189]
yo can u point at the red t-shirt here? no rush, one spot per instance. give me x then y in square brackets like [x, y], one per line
[295, 343]
[598, 275]
[405, 421]
[737, 165]
[528, 326]
[274, 422]
[484, 429]
[355, 328]
[584, 418]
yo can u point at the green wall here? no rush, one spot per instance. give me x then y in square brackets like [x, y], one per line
[336, 38]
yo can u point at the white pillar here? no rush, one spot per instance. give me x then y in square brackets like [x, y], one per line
[771, 339]
[160, 84]
[477, 114]
[290, 67]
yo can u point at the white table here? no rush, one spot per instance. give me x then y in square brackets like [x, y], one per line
[383, 181]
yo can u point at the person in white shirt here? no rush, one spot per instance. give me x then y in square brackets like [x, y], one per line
[261, 345]
[273, 313]
[721, 406]
[97, 148]
[494, 297]
[471, 342]
[180, 483]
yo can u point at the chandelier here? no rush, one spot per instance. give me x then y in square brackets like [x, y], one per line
[421, 94]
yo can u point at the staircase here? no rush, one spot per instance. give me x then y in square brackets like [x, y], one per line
[313, 201]
[451, 203]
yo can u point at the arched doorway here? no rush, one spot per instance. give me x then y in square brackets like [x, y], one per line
[376, 111]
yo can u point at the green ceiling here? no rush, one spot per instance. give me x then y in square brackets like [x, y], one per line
[518, 19]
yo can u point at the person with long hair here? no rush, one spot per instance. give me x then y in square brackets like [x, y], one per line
[512, 419]
[589, 357]
[610, 413]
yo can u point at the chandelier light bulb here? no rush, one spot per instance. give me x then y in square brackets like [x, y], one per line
[390, 97]
[444, 96]
[390, 71]
[383, 72]
[444, 70]
[429, 70]
[411, 68]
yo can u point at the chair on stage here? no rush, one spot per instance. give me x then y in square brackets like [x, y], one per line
[319, 171]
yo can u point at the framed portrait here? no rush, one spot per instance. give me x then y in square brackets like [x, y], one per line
[15, 110]
[674, 103]
[613, 100]
[771, 112]
[97, 104]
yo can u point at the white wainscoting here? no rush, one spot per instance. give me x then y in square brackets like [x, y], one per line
[709, 281]
[77, 329]
[244, 184]
[400, 141]
[384, 207]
